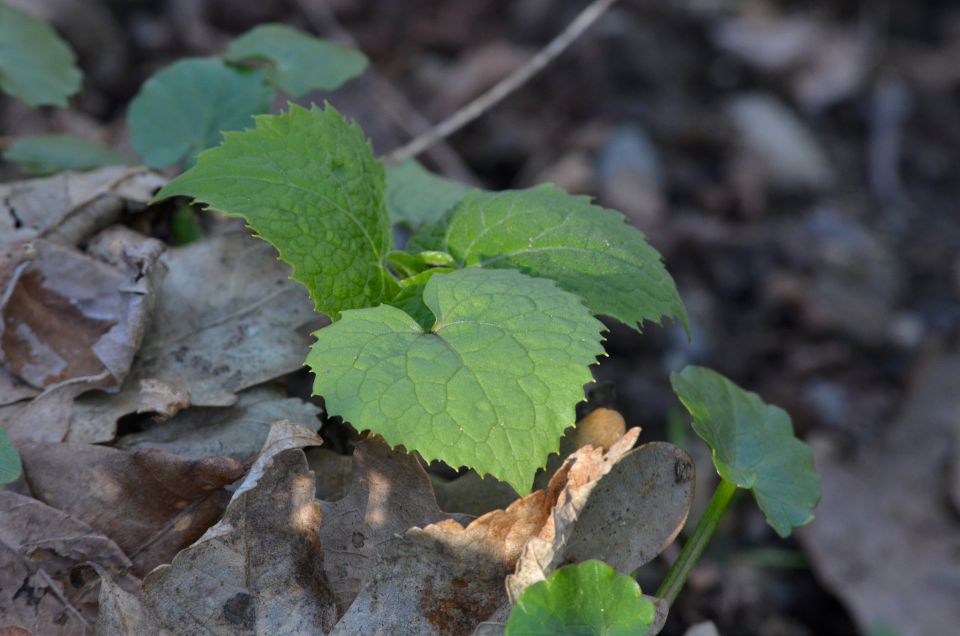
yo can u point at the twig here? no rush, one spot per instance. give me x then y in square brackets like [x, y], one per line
[504, 87]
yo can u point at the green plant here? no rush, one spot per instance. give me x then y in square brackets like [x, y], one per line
[473, 344]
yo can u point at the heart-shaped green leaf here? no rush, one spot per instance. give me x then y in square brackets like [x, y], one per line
[753, 446]
[491, 384]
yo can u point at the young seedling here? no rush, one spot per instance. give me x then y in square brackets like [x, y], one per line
[753, 447]
[472, 347]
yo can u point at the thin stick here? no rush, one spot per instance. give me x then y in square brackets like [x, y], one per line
[504, 87]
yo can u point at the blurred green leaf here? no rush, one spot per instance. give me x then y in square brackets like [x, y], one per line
[36, 66]
[182, 110]
[48, 154]
[416, 197]
[297, 63]
[9, 460]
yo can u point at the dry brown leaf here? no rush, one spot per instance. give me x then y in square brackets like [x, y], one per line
[122, 614]
[227, 318]
[66, 316]
[447, 578]
[43, 552]
[72, 206]
[475, 495]
[259, 571]
[152, 503]
[884, 524]
[238, 431]
[390, 493]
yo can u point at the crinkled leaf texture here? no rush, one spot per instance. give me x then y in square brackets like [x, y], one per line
[182, 110]
[308, 183]
[417, 197]
[492, 384]
[297, 62]
[753, 446]
[586, 599]
[9, 460]
[48, 154]
[36, 66]
[545, 232]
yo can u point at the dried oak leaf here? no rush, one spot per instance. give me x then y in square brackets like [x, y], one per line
[259, 571]
[72, 206]
[43, 553]
[447, 578]
[227, 318]
[152, 503]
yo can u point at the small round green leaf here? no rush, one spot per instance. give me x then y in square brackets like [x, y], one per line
[48, 154]
[297, 63]
[491, 384]
[586, 599]
[182, 110]
[9, 460]
[753, 446]
[36, 66]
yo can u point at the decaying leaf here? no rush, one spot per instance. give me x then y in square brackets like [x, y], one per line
[122, 614]
[227, 318]
[884, 525]
[68, 317]
[152, 503]
[71, 322]
[447, 578]
[237, 431]
[43, 552]
[72, 206]
[390, 494]
[475, 495]
[259, 571]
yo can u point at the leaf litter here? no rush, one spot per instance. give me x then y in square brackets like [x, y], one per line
[195, 337]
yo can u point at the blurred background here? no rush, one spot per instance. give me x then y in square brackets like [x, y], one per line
[798, 166]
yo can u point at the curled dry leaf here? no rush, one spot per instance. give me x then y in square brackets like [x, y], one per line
[152, 503]
[71, 207]
[67, 316]
[70, 322]
[477, 495]
[227, 318]
[447, 578]
[259, 571]
[43, 553]
[237, 431]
